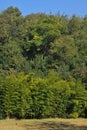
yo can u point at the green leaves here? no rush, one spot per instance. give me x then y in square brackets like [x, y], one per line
[43, 65]
[26, 96]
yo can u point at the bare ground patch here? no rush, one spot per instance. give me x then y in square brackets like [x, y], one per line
[44, 124]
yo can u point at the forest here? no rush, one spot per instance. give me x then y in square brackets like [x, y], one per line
[43, 65]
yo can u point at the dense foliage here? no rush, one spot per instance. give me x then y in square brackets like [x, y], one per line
[43, 65]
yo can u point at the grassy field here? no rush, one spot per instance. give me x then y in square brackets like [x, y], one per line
[44, 124]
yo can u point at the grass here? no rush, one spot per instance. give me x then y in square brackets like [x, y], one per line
[44, 124]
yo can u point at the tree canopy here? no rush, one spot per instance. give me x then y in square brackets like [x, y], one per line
[43, 65]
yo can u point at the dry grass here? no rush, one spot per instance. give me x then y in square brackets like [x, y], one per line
[44, 124]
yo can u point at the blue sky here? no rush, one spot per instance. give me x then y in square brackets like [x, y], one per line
[68, 7]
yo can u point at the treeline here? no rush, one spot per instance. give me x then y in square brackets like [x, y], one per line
[43, 65]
